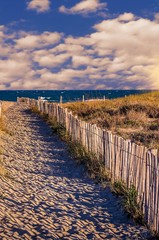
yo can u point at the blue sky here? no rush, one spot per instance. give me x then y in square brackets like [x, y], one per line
[79, 44]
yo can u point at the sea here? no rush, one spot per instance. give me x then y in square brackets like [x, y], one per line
[67, 95]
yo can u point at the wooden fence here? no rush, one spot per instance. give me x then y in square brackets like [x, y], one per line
[128, 162]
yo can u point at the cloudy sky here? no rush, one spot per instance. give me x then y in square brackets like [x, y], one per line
[79, 44]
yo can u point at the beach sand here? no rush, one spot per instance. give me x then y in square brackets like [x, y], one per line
[47, 196]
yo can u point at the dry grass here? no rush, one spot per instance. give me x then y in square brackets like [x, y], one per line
[3, 130]
[135, 117]
[2, 124]
[5, 106]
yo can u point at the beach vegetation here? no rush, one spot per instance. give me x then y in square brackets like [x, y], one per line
[133, 117]
[3, 130]
[94, 166]
[129, 201]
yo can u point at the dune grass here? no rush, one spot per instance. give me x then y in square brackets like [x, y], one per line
[3, 130]
[129, 201]
[134, 117]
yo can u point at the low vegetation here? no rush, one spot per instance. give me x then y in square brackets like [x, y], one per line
[134, 117]
[3, 126]
[94, 166]
[130, 203]
[3, 129]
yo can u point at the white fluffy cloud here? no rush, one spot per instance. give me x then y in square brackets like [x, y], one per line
[120, 53]
[51, 60]
[84, 7]
[134, 44]
[126, 17]
[39, 5]
[37, 41]
[16, 69]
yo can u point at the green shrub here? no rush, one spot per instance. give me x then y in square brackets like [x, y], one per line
[130, 203]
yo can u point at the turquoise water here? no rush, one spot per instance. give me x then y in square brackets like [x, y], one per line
[67, 95]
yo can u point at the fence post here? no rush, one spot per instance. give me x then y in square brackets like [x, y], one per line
[60, 99]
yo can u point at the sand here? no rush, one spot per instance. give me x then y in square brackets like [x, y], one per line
[47, 195]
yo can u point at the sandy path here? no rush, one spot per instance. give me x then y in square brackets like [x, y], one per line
[50, 197]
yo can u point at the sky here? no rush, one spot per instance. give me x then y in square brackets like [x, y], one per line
[79, 44]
